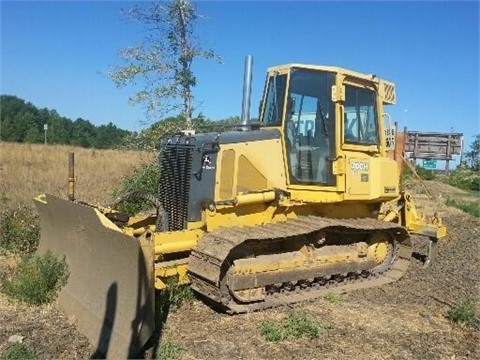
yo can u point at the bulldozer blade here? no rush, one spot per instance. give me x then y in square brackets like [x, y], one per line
[110, 292]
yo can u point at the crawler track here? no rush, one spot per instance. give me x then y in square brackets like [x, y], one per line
[213, 262]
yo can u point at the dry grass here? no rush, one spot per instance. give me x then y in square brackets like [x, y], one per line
[44, 328]
[403, 320]
[27, 170]
[362, 330]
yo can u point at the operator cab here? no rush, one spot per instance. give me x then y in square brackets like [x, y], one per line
[321, 110]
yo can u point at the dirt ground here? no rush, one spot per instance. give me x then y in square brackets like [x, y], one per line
[402, 320]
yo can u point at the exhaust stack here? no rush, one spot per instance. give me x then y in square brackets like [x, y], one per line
[247, 90]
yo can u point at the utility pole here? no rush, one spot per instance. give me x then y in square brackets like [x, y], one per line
[45, 128]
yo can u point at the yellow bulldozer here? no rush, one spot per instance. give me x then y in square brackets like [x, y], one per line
[303, 202]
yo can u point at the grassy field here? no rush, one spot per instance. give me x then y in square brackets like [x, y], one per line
[421, 316]
[27, 170]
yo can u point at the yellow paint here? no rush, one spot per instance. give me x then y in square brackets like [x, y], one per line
[245, 215]
[249, 178]
[174, 247]
[175, 241]
[178, 271]
[416, 222]
[106, 222]
[378, 250]
[247, 169]
[367, 178]
[225, 187]
[314, 194]
[255, 198]
[324, 256]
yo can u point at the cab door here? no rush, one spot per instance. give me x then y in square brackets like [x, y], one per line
[360, 139]
[309, 128]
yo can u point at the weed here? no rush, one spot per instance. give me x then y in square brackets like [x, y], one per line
[464, 313]
[37, 279]
[472, 208]
[19, 230]
[175, 294]
[18, 351]
[273, 331]
[304, 324]
[143, 179]
[332, 298]
[295, 325]
[170, 350]
[180, 294]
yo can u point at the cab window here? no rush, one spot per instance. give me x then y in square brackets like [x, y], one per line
[360, 117]
[272, 115]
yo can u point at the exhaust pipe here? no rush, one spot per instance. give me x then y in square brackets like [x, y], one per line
[247, 91]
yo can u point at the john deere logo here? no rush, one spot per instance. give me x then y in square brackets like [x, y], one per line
[207, 163]
[207, 160]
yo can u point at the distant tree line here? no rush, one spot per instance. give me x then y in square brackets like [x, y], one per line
[23, 122]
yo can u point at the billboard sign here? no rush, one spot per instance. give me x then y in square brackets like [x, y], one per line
[432, 145]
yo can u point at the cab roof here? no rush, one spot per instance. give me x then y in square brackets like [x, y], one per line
[387, 87]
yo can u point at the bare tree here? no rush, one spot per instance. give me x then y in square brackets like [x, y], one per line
[161, 65]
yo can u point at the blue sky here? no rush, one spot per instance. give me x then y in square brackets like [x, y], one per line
[56, 54]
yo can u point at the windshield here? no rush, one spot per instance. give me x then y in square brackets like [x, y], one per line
[272, 115]
[310, 127]
[360, 117]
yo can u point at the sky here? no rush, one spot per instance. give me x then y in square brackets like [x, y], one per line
[58, 54]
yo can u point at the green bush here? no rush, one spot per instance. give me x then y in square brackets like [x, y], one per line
[464, 313]
[18, 351]
[170, 350]
[424, 174]
[37, 279]
[472, 208]
[19, 230]
[408, 175]
[143, 179]
[464, 178]
[295, 325]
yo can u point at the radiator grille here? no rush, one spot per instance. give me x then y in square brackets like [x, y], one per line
[174, 184]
